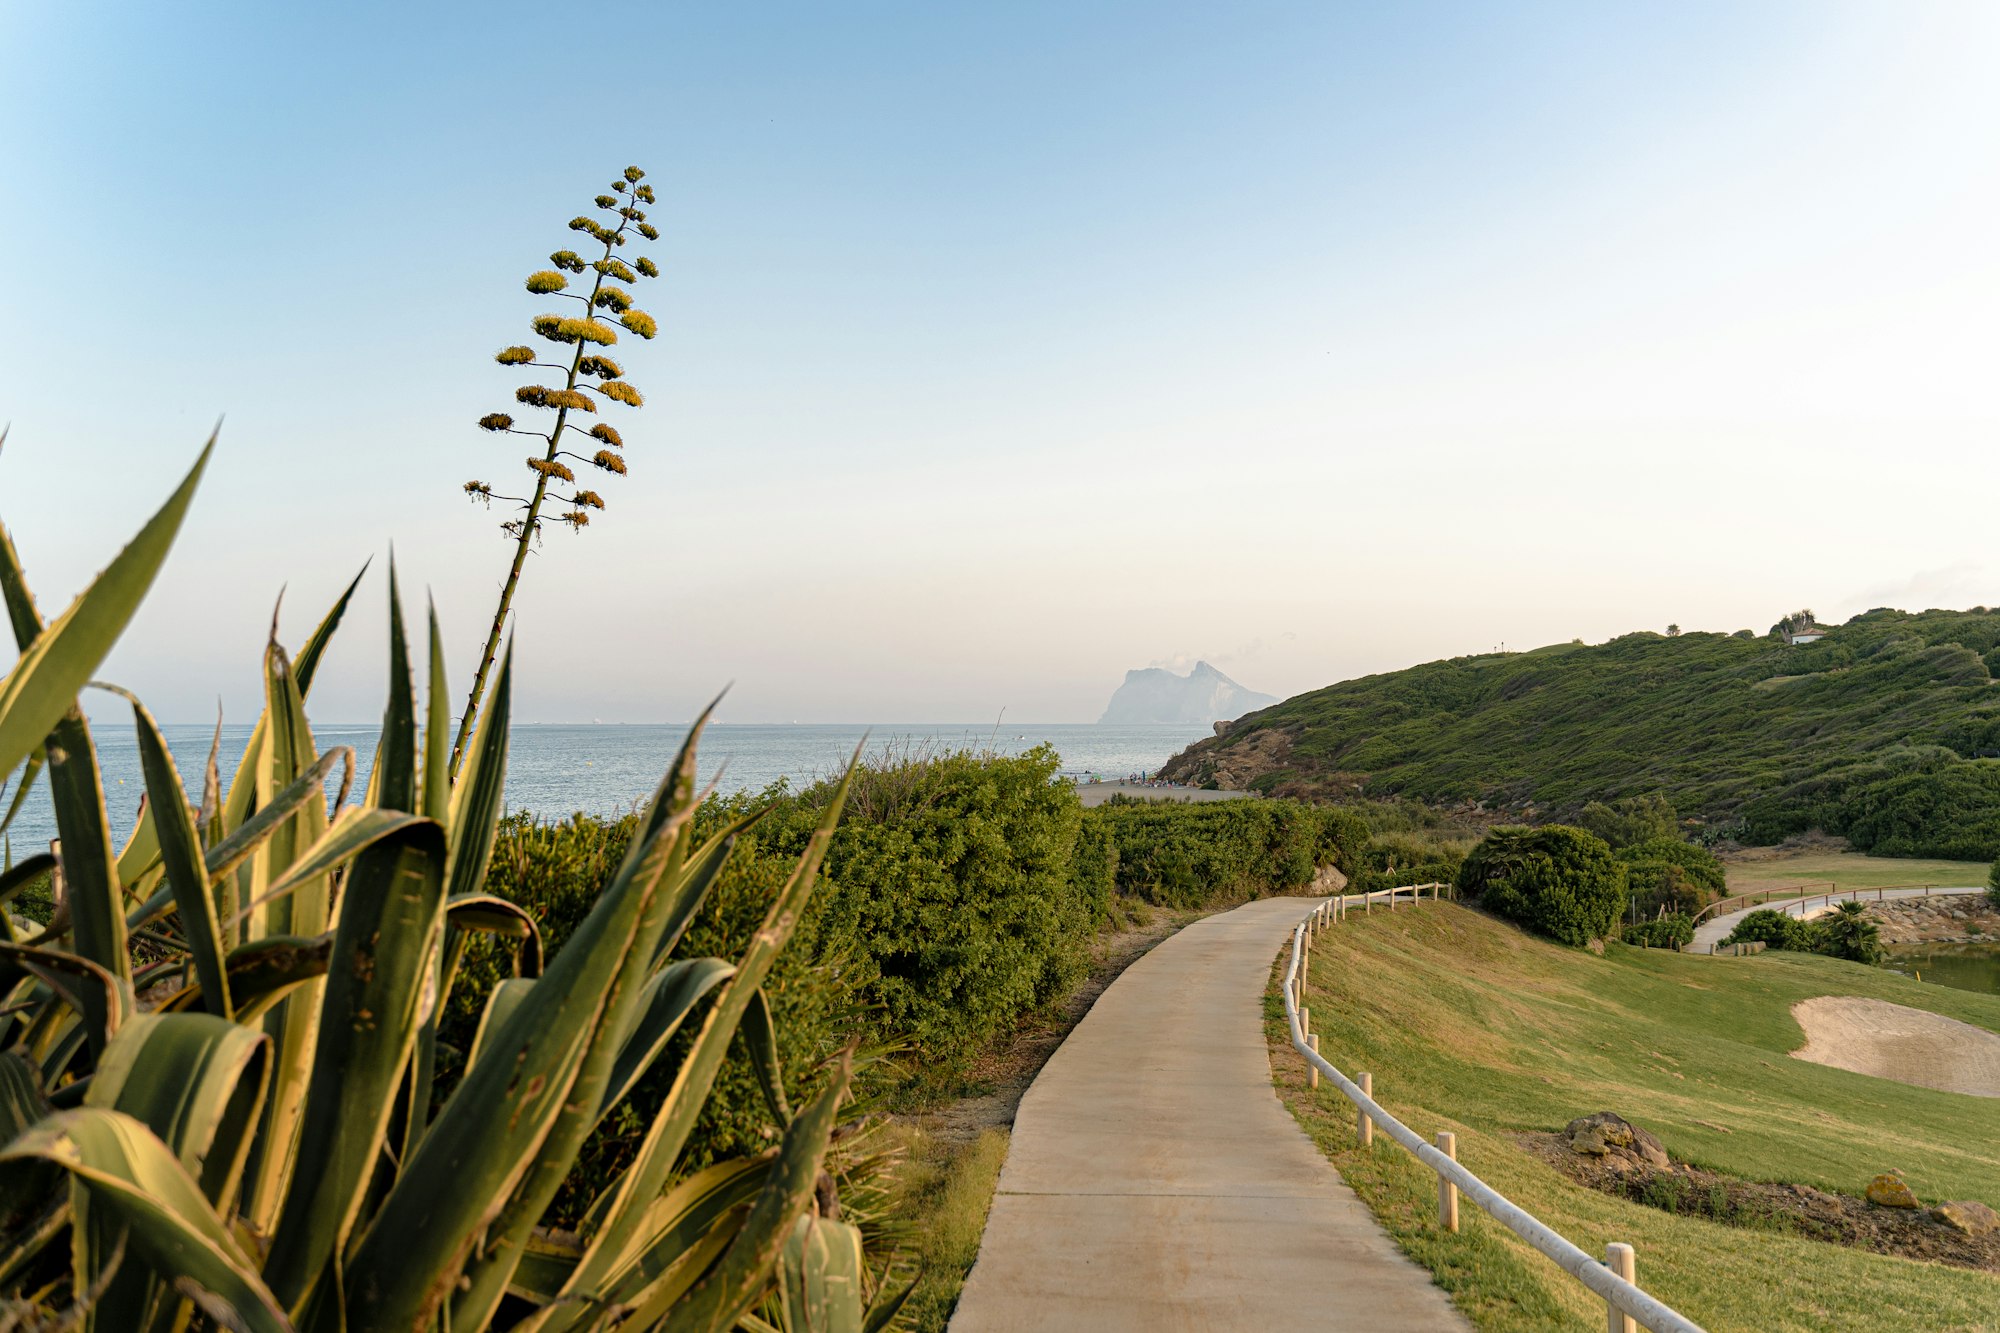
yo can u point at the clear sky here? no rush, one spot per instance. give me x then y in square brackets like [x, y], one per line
[1009, 346]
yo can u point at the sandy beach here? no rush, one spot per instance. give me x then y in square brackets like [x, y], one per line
[1895, 1041]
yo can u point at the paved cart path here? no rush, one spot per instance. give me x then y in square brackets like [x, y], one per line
[1155, 1181]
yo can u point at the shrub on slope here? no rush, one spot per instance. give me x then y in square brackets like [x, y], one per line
[1558, 881]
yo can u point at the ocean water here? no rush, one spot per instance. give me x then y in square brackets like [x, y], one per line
[557, 770]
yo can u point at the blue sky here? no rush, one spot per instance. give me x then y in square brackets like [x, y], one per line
[1006, 347]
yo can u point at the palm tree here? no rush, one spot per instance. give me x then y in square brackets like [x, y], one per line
[1850, 933]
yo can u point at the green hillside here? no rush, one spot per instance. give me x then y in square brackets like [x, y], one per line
[1886, 731]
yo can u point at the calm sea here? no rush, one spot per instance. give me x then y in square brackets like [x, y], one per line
[558, 770]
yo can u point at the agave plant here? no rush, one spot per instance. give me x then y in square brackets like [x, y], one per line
[215, 1061]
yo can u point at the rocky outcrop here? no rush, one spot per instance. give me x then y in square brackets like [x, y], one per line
[1888, 1191]
[1958, 918]
[1620, 1144]
[1203, 697]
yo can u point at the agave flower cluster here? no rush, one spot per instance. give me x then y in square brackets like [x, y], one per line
[580, 336]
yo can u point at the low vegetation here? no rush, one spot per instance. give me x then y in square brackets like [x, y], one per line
[1468, 1025]
[1886, 732]
[1845, 932]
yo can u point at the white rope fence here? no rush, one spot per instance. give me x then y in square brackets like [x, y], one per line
[1626, 1306]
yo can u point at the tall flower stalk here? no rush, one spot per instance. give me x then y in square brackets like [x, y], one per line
[590, 375]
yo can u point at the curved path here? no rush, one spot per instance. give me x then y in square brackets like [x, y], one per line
[1714, 930]
[1155, 1181]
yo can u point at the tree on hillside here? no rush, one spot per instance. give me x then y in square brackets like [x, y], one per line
[1673, 631]
[1559, 881]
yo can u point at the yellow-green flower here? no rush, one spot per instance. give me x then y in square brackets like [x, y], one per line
[634, 175]
[621, 392]
[478, 488]
[588, 499]
[605, 201]
[647, 267]
[601, 366]
[546, 280]
[649, 231]
[614, 299]
[548, 467]
[576, 518]
[639, 322]
[495, 421]
[644, 194]
[606, 435]
[609, 461]
[514, 356]
[568, 259]
[615, 268]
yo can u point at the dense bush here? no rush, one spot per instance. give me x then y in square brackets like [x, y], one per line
[1993, 884]
[1952, 812]
[1559, 881]
[1635, 819]
[1666, 932]
[1776, 930]
[1671, 875]
[1186, 854]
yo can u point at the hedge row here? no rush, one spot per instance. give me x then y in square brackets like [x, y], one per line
[1186, 854]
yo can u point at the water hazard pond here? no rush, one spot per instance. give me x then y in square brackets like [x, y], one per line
[1974, 967]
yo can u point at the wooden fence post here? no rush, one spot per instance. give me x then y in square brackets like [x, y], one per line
[1312, 1070]
[1364, 1128]
[1620, 1259]
[1447, 1143]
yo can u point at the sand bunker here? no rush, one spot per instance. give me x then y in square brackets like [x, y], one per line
[1895, 1041]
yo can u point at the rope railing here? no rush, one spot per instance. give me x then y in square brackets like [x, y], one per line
[1627, 1306]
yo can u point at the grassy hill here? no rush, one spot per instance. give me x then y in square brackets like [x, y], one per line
[1470, 1025]
[1886, 731]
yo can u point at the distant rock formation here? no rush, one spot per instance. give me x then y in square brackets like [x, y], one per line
[1156, 696]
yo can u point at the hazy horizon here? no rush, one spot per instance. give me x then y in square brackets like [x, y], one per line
[1008, 349]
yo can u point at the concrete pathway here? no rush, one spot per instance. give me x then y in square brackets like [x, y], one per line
[1712, 931]
[1155, 1181]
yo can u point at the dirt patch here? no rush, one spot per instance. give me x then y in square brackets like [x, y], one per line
[1800, 1210]
[1894, 1041]
[1813, 842]
[1007, 1068]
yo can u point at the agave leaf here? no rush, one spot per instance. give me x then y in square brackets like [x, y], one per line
[262, 973]
[674, 904]
[667, 1135]
[246, 837]
[21, 613]
[44, 683]
[393, 782]
[391, 916]
[497, 1127]
[135, 1182]
[27, 782]
[187, 874]
[23, 1190]
[308, 659]
[666, 1262]
[883, 1313]
[90, 872]
[197, 1082]
[437, 732]
[671, 995]
[100, 997]
[353, 832]
[760, 1034]
[23, 873]
[501, 1002]
[821, 1277]
[482, 782]
[728, 1290]
[489, 914]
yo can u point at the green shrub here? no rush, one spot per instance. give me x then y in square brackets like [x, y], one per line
[1671, 875]
[1556, 880]
[1776, 930]
[1188, 854]
[1849, 933]
[1666, 932]
[1993, 884]
[1635, 819]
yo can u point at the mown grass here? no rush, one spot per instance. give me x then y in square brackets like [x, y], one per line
[942, 1197]
[1849, 870]
[1471, 1026]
